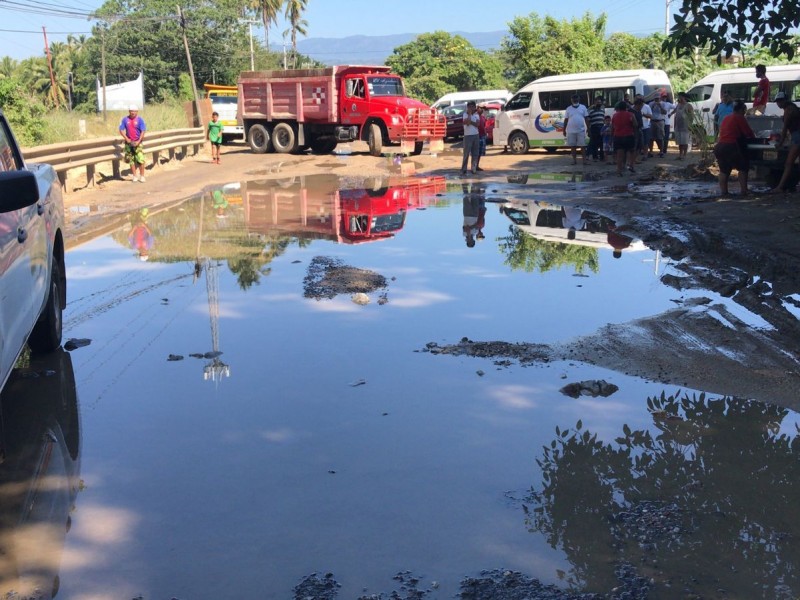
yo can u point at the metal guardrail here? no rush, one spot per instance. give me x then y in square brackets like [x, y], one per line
[89, 153]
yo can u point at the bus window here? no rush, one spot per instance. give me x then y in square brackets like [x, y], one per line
[557, 100]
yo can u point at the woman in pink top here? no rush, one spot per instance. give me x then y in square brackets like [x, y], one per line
[730, 153]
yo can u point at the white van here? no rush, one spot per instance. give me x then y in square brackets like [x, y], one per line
[500, 96]
[741, 83]
[534, 117]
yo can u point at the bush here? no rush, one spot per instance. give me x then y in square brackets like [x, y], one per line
[24, 111]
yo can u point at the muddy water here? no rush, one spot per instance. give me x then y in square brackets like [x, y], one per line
[311, 433]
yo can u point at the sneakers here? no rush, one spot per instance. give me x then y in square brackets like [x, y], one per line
[135, 178]
[142, 179]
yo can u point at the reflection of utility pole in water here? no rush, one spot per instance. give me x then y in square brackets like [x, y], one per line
[216, 369]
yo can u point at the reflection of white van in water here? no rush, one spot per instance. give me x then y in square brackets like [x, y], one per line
[741, 83]
[478, 97]
[534, 117]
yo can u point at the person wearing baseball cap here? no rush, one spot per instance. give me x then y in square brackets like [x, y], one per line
[132, 129]
[791, 129]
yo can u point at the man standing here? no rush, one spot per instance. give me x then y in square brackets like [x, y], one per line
[791, 128]
[576, 122]
[761, 96]
[471, 141]
[597, 116]
[657, 126]
[667, 107]
[722, 110]
[132, 129]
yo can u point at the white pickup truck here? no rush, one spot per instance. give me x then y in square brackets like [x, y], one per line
[33, 283]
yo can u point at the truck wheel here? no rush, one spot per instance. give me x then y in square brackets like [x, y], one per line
[375, 139]
[323, 145]
[258, 138]
[46, 334]
[417, 148]
[518, 143]
[284, 139]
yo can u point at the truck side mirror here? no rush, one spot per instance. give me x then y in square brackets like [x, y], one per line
[18, 189]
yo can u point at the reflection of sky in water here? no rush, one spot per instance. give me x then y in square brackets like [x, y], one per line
[226, 485]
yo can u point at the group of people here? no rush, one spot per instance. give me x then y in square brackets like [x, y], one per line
[637, 126]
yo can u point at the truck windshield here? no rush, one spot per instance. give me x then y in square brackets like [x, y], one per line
[386, 223]
[223, 99]
[385, 86]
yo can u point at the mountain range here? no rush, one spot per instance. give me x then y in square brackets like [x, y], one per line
[374, 49]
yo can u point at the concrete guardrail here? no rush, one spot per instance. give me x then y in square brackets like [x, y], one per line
[89, 153]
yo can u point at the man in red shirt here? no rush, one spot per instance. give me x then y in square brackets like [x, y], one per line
[730, 152]
[761, 96]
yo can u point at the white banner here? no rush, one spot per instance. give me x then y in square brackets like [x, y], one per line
[121, 95]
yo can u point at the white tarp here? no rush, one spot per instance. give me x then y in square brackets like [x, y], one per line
[121, 95]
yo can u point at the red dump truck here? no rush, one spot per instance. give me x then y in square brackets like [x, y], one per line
[289, 111]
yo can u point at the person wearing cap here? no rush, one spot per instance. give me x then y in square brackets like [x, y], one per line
[576, 123]
[729, 152]
[791, 129]
[132, 129]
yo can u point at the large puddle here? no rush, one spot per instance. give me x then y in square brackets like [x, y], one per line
[258, 404]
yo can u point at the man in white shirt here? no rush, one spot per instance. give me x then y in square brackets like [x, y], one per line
[576, 123]
[647, 114]
[667, 107]
[471, 139]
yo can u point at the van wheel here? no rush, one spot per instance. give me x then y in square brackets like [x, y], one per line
[46, 334]
[518, 143]
[375, 139]
[284, 138]
[258, 139]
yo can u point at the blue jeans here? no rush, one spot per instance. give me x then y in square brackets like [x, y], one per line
[471, 149]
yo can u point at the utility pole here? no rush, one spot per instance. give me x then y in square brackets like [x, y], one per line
[666, 18]
[252, 56]
[103, 68]
[50, 67]
[182, 21]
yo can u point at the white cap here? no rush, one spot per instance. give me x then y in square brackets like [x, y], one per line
[133, 107]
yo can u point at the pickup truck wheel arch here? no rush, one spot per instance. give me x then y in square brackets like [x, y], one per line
[46, 334]
[284, 138]
[258, 139]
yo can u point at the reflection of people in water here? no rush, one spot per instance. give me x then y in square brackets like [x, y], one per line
[140, 237]
[220, 203]
[617, 240]
[573, 220]
[474, 213]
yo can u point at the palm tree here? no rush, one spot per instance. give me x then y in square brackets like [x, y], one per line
[297, 24]
[269, 10]
[7, 67]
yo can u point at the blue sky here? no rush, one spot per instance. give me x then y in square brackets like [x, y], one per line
[342, 18]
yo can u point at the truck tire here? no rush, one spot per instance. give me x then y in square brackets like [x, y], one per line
[46, 334]
[284, 138]
[417, 148]
[375, 139]
[323, 145]
[258, 139]
[518, 143]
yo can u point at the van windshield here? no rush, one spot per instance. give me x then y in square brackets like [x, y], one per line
[385, 86]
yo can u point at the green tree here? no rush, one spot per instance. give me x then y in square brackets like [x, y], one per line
[23, 109]
[536, 47]
[8, 66]
[268, 11]
[437, 63]
[525, 252]
[723, 27]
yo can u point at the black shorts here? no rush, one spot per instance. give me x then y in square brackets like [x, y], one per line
[627, 142]
[730, 157]
[217, 143]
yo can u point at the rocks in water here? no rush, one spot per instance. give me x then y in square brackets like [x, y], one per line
[317, 587]
[590, 387]
[329, 277]
[75, 343]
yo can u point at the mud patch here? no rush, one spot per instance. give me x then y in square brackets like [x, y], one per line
[329, 277]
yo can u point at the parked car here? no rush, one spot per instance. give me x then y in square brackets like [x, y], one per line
[490, 110]
[33, 283]
[455, 121]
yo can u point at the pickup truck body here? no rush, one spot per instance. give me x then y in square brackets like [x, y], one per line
[32, 275]
[767, 159]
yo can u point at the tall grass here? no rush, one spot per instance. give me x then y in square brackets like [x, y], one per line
[64, 126]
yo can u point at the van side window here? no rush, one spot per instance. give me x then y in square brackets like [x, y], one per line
[8, 161]
[520, 101]
[612, 96]
[741, 91]
[558, 100]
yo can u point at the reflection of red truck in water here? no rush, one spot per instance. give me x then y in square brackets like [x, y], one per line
[289, 111]
[315, 208]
